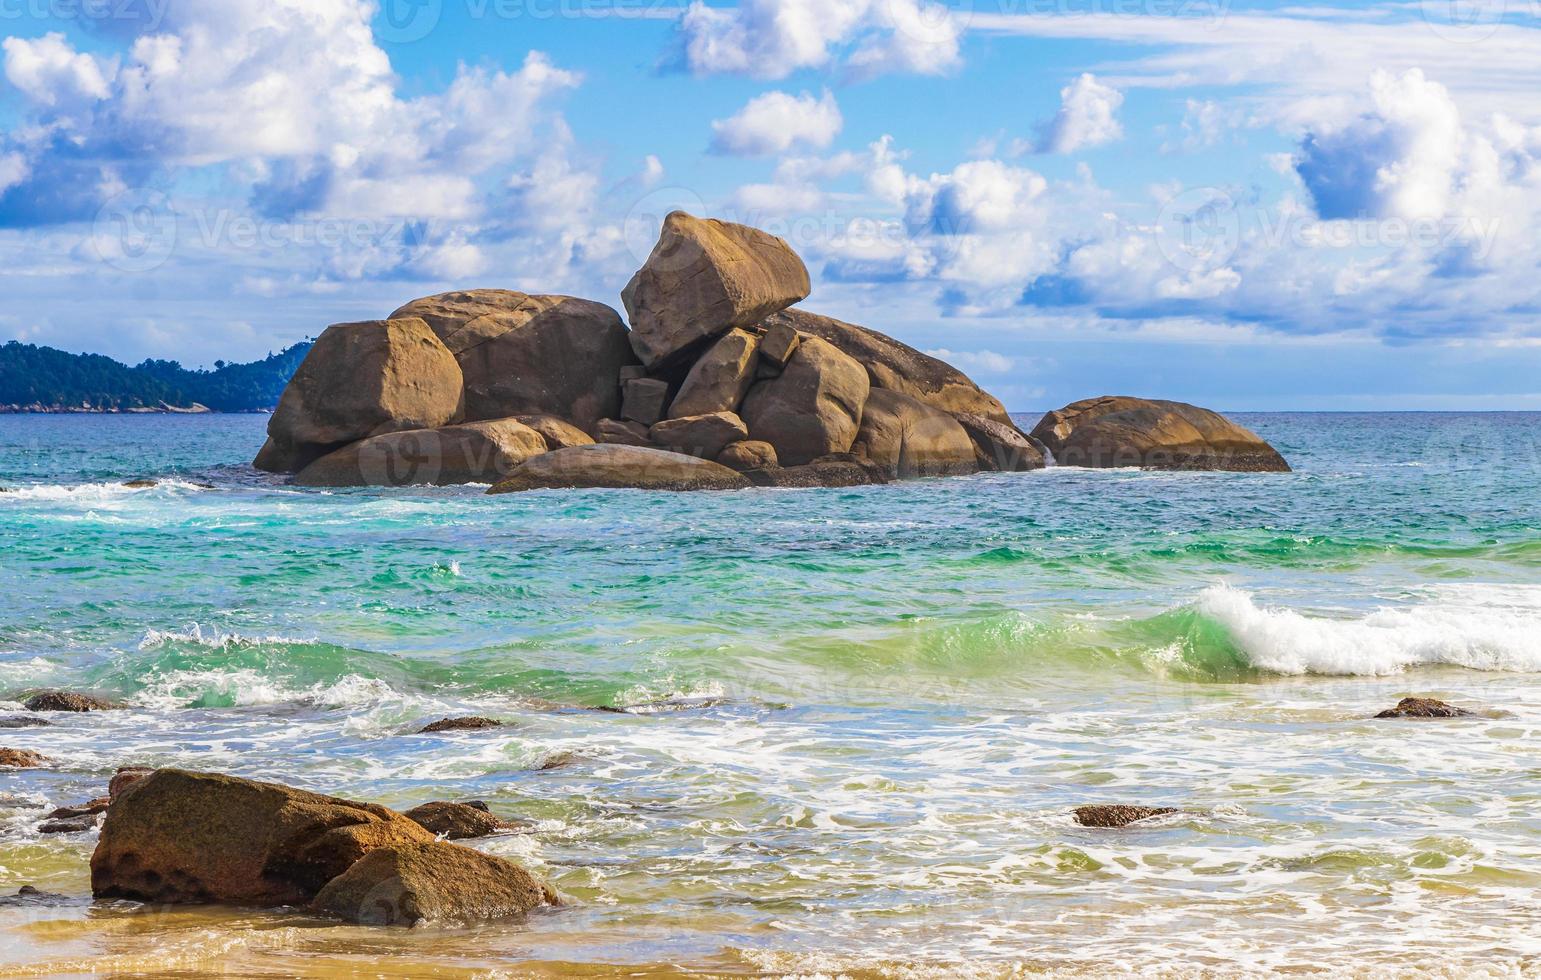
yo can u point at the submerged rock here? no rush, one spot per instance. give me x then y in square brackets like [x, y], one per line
[474, 452]
[813, 408]
[141, 484]
[68, 701]
[911, 440]
[1424, 708]
[893, 365]
[456, 821]
[16, 721]
[1118, 816]
[361, 380]
[433, 882]
[28, 895]
[185, 837]
[21, 759]
[1116, 431]
[619, 467]
[470, 724]
[703, 278]
[522, 354]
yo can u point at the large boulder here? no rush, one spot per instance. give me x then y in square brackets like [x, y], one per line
[910, 439]
[700, 435]
[703, 278]
[720, 378]
[434, 882]
[619, 467]
[475, 452]
[1115, 431]
[813, 408]
[749, 455]
[185, 837]
[531, 355]
[896, 366]
[362, 380]
[1001, 447]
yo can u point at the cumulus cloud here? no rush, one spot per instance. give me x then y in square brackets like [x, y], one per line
[1088, 117]
[774, 38]
[52, 74]
[776, 122]
[977, 361]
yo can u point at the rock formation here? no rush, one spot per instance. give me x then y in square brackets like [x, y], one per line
[1115, 431]
[720, 383]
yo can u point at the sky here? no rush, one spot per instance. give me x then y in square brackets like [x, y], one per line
[1252, 206]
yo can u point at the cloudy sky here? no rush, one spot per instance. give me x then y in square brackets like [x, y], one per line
[1250, 205]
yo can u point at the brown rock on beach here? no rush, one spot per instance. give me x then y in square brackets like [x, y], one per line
[433, 882]
[21, 759]
[456, 821]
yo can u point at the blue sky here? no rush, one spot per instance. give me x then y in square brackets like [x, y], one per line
[1247, 205]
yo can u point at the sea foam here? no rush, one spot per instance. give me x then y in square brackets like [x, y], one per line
[1494, 630]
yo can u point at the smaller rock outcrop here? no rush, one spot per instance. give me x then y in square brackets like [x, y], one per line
[619, 467]
[558, 433]
[1118, 431]
[751, 454]
[1118, 816]
[469, 724]
[703, 278]
[644, 400]
[434, 882]
[1424, 708]
[456, 821]
[125, 777]
[21, 759]
[700, 435]
[813, 408]
[838, 470]
[474, 452]
[68, 701]
[362, 380]
[623, 432]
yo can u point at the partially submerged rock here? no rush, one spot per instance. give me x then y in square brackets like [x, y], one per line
[619, 467]
[522, 354]
[21, 759]
[141, 484]
[433, 882]
[456, 821]
[362, 380]
[1117, 431]
[473, 452]
[89, 809]
[68, 701]
[125, 777]
[185, 837]
[21, 721]
[895, 366]
[82, 824]
[836, 471]
[700, 435]
[1118, 816]
[1424, 708]
[703, 278]
[999, 447]
[911, 440]
[813, 408]
[469, 724]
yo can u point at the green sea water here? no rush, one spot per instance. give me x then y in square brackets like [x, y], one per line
[853, 722]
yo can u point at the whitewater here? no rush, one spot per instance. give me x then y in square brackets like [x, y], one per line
[815, 732]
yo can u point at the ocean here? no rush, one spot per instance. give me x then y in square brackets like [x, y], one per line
[855, 721]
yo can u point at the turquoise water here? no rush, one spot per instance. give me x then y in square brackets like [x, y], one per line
[856, 719]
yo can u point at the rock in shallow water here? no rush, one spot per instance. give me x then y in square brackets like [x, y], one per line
[434, 882]
[1000, 447]
[456, 821]
[472, 723]
[619, 467]
[475, 452]
[67, 701]
[1118, 431]
[1118, 816]
[813, 408]
[1424, 708]
[21, 759]
[911, 440]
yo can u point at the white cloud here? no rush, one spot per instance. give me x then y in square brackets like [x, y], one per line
[774, 38]
[50, 72]
[776, 122]
[980, 361]
[1088, 117]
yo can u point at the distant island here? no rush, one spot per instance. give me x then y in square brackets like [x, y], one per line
[43, 379]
